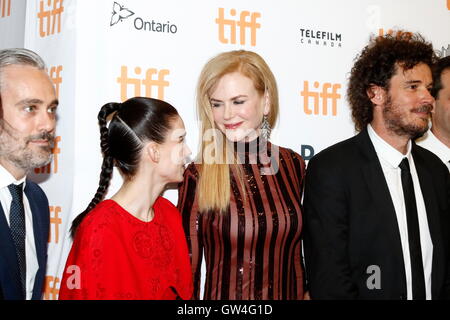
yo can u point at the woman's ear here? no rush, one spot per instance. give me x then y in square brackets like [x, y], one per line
[152, 150]
[377, 95]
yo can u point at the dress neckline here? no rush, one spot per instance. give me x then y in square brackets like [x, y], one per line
[251, 152]
[132, 217]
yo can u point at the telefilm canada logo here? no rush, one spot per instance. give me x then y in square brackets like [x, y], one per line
[320, 38]
[121, 12]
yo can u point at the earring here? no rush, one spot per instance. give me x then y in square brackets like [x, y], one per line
[265, 128]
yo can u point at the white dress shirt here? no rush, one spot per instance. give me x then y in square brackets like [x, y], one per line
[430, 142]
[390, 159]
[30, 249]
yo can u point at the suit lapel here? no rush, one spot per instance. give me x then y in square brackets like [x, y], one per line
[376, 182]
[8, 261]
[37, 227]
[39, 239]
[432, 208]
[429, 195]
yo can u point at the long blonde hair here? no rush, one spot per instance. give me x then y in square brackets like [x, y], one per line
[214, 187]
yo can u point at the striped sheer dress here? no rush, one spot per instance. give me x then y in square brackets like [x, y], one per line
[253, 250]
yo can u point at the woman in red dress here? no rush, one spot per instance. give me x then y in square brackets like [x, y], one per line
[132, 246]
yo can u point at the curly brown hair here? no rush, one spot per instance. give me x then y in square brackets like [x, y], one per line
[377, 63]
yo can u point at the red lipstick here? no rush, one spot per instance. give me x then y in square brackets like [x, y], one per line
[232, 126]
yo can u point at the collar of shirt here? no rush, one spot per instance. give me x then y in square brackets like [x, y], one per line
[432, 143]
[6, 178]
[385, 151]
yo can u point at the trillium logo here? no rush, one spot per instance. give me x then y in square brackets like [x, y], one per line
[119, 13]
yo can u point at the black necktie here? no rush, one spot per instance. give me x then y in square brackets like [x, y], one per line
[17, 226]
[415, 251]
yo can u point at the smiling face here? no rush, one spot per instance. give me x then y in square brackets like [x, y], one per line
[409, 103]
[238, 108]
[28, 118]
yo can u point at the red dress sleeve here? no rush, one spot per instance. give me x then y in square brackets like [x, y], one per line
[89, 272]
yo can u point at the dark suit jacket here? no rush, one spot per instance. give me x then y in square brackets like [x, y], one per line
[10, 286]
[350, 223]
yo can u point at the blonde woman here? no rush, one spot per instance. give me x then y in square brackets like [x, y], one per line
[240, 200]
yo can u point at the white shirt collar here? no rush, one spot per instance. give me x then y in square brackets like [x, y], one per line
[6, 178]
[387, 152]
[432, 143]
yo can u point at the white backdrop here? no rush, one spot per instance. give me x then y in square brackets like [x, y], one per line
[95, 56]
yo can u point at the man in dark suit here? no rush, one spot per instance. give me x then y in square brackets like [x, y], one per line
[376, 206]
[27, 125]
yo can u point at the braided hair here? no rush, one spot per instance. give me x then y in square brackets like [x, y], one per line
[133, 122]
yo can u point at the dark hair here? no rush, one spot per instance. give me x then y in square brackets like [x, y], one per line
[439, 67]
[377, 64]
[135, 121]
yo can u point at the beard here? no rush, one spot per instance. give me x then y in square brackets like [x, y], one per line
[18, 151]
[396, 120]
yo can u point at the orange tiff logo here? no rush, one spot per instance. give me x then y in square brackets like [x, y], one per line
[448, 4]
[55, 151]
[242, 24]
[398, 34]
[55, 222]
[50, 17]
[56, 77]
[153, 78]
[51, 291]
[5, 8]
[318, 96]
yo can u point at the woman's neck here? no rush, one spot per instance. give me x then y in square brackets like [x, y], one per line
[138, 194]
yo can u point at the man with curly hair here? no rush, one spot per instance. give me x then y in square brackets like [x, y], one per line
[377, 213]
[437, 139]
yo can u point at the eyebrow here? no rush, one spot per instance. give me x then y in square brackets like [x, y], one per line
[36, 101]
[417, 81]
[413, 81]
[234, 98]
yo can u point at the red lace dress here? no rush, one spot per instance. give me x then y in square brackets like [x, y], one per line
[117, 256]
